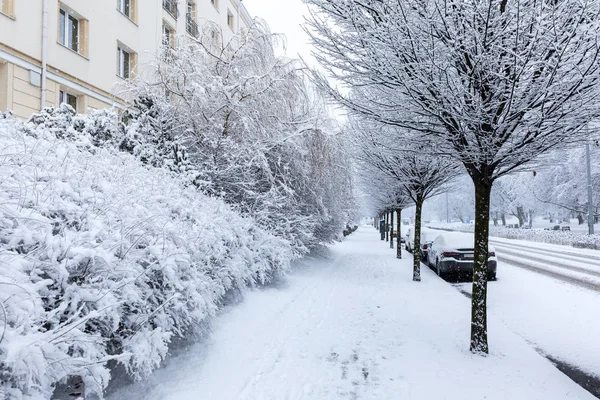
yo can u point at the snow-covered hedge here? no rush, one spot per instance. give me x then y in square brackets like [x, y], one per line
[567, 238]
[103, 258]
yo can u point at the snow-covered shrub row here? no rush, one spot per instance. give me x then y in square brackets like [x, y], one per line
[104, 258]
[566, 238]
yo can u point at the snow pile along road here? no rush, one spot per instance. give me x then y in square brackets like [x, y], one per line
[355, 326]
[568, 238]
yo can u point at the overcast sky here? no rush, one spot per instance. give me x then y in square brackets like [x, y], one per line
[285, 16]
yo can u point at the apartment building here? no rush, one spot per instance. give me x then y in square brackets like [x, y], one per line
[78, 51]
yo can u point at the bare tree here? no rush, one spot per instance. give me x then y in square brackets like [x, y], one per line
[493, 84]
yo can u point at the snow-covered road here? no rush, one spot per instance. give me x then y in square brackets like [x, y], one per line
[353, 325]
[580, 267]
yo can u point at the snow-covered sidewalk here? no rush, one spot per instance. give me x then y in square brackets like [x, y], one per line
[354, 326]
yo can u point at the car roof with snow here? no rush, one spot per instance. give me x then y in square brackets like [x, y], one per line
[456, 240]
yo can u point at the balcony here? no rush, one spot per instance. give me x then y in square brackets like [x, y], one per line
[191, 26]
[170, 6]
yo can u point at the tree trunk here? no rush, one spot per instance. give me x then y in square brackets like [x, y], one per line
[479, 340]
[387, 226]
[398, 222]
[392, 229]
[417, 241]
[503, 219]
[521, 216]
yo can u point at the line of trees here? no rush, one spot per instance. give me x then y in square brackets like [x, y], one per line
[491, 84]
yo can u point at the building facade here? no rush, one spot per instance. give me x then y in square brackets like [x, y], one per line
[78, 51]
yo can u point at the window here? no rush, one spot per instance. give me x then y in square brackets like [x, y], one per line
[215, 3]
[167, 35]
[230, 19]
[190, 18]
[69, 31]
[125, 7]
[216, 37]
[68, 98]
[171, 7]
[124, 59]
[128, 8]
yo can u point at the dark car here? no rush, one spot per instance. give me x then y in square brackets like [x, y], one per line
[452, 254]
[553, 228]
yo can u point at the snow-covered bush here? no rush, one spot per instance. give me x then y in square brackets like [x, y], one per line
[103, 257]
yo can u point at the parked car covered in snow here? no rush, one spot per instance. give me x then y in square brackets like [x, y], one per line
[427, 237]
[402, 238]
[452, 254]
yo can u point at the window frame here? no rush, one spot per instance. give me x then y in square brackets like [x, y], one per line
[66, 31]
[63, 97]
[124, 71]
[191, 26]
[230, 20]
[169, 34]
[123, 5]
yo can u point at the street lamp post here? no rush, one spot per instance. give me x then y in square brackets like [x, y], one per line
[589, 190]
[447, 211]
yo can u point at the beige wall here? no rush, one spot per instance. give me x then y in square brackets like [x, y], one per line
[19, 95]
[91, 74]
[95, 104]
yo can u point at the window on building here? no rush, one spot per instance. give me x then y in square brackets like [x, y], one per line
[125, 7]
[171, 7]
[124, 62]
[168, 34]
[68, 98]
[128, 8]
[69, 30]
[230, 19]
[190, 18]
[215, 3]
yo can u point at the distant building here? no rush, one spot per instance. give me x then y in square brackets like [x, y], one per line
[90, 45]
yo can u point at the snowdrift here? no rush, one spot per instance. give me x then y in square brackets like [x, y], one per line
[103, 258]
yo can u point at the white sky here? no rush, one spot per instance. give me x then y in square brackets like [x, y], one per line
[285, 16]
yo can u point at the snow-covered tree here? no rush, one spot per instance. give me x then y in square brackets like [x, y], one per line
[418, 173]
[493, 84]
[250, 129]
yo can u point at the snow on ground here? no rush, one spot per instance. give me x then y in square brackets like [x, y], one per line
[354, 326]
[560, 319]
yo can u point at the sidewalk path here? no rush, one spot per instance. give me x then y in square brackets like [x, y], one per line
[354, 326]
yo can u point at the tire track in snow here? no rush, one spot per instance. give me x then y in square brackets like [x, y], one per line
[561, 277]
[562, 254]
[555, 263]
